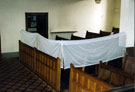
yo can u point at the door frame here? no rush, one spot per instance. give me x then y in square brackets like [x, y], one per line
[36, 13]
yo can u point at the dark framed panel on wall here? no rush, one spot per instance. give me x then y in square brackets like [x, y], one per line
[37, 22]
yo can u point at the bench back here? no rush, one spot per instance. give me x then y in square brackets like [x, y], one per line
[82, 82]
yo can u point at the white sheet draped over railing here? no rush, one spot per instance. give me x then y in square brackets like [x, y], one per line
[29, 38]
[83, 52]
[50, 47]
[89, 52]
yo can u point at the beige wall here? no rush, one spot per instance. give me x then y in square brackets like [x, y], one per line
[79, 15]
[116, 14]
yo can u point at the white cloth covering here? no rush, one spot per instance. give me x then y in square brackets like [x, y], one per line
[83, 52]
[29, 38]
[89, 52]
[49, 47]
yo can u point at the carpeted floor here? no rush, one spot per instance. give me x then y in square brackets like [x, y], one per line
[15, 77]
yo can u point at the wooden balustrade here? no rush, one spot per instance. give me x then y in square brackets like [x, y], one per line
[45, 66]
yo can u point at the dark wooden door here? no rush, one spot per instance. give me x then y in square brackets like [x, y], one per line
[37, 22]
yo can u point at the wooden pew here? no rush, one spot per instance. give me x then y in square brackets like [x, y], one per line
[114, 76]
[82, 82]
[115, 30]
[108, 77]
[93, 68]
[90, 35]
[60, 38]
[103, 33]
[131, 51]
[73, 37]
[129, 61]
[120, 63]
[46, 67]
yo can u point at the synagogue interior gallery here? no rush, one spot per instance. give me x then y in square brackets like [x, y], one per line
[67, 46]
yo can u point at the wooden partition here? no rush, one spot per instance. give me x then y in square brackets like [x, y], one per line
[27, 55]
[45, 66]
[48, 68]
[82, 82]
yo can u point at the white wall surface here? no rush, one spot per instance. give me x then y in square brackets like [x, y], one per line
[78, 15]
[116, 14]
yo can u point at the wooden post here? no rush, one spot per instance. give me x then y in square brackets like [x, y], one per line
[71, 76]
[58, 75]
[124, 60]
[83, 69]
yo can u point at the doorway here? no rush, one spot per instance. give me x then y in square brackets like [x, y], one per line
[37, 23]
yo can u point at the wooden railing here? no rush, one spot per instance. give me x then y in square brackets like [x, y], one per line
[27, 55]
[45, 66]
[82, 82]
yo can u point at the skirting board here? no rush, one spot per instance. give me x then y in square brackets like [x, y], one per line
[10, 54]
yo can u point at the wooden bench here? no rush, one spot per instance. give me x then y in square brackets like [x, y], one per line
[83, 82]
[108, 77]
[90, 35]
[125, 63]
[60, 38]
[73, 37]
[114, 76]
[104, 33]
[115, 30]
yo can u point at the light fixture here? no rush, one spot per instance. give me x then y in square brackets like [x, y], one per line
[98, 1]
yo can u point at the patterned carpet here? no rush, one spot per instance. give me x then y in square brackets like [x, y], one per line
[15, 77]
